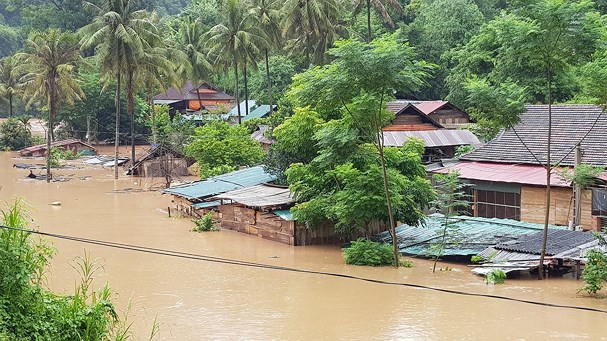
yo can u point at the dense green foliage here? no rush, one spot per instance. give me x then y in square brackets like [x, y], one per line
[14, 134]
[220, 148]
[366, 252]
[496, 276]
[28, 311]
[595, 271]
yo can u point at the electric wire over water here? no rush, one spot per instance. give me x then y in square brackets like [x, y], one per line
[192, 256]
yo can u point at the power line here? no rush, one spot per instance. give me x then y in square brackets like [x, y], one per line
[192, 256]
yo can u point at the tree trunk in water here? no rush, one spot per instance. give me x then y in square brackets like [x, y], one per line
[130, 107]
[540, 272]
[380, 147]
[117, 133]
[269, 79]
[51, 115]
[237, 90]
[368, 21]
[246, 90]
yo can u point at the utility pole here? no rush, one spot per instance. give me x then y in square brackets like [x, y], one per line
[577, 190]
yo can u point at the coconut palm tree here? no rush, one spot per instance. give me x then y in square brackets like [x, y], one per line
[268, 18]
[10, 81]
[49, 77]
[236, 39]
[311, 26]
[381, 7]
[119, 32]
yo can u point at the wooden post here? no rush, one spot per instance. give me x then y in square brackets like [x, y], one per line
[577, 191]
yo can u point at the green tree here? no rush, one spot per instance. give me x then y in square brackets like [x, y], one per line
[283, 70]
[49, 63]
[9, 40]
[268, 19]
[10, 81]
[14, 135]
[311, 26]
[236, 39]
[120, 34]
[381, 7]
[220, 148]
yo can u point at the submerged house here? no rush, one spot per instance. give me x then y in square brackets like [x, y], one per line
[424, 122]
[194, 99]
[508, 173]
[161, 161]
[76, 146]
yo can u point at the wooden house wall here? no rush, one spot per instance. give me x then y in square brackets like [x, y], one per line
[263, 224]
[450, 117]
[533, 204]
[407, 119]
[154, 168]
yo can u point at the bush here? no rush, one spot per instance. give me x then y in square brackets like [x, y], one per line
[206, 223]
[496, 276]
[367, 252]
[595, 272]
[14, 135]
[28, 311]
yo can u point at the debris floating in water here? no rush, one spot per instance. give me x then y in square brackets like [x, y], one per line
[56, 203]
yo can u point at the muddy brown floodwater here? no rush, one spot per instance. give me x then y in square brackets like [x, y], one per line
[197, 300]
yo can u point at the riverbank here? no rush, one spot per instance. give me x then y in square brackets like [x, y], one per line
[197, 300]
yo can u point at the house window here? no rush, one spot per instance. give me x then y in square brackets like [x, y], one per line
[599, 202]
[494, 204]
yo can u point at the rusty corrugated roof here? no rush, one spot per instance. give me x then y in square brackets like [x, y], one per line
[510, 173]
[432, 138]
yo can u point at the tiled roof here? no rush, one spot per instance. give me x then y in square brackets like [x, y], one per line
[432, 138]
[558, 241]
[570, 123]
[188, 91]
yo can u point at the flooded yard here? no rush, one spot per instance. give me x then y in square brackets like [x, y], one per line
[200, 300]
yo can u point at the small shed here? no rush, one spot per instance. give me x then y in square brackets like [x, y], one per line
[259, 135]
[74, 145]
[161, 161]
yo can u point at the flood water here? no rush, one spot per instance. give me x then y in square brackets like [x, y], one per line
[198, 300]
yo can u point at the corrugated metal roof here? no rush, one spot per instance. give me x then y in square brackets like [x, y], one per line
[285, 214]
[207, 204]
[259, 196]
[411, 127]
[243, 108]
[432, 138]
[259, 112]
[62, 143]
[259, 135]
[473, 234]
[220, 184]
[570, 124]
[509, 173]
[558, 241]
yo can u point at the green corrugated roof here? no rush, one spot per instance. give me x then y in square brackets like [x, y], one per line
[285, 214]
[207, 204]
[473, 234]
[260, 112]
[222, 183]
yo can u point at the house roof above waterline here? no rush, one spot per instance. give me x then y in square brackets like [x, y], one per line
[474, 234]
[431, 138]
[40, 147]
[203, 189]
[571, 123]
[259, 196]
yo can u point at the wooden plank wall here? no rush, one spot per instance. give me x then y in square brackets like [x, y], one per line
[533, 202]
[262, 224]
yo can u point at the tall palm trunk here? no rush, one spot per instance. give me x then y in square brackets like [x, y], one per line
[52, 104]
[117, 134]
[130, 107]
[246, 90]
[269, 78]
[307, 50]
[368, 21]
[10, 105]
[152, 113]
[237, 91]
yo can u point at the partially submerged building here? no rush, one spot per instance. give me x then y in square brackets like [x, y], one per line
[508, 173]
[161, 161]
[73, 145]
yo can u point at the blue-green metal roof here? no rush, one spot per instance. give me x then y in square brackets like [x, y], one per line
[207, 204]
[471, 234]
[260, 112]
[222, 183]
[285, 214]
